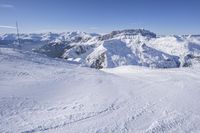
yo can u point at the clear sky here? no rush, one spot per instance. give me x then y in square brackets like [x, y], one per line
[101, 16]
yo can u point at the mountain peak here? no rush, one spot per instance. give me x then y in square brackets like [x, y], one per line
[129, 32]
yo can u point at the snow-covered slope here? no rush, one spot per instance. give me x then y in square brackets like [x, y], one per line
[181, 46]
[138, 47]
[41, 94]
[36, 41]
[115, 53]
[125, 47]
[48, 37]
[134, 47]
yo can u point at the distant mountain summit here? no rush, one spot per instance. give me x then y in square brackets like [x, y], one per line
[129, 32]
[123, 47]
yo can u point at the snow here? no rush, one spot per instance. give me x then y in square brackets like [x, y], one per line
[41, 94]
[49, 36]
[124, 47]
[132, 47]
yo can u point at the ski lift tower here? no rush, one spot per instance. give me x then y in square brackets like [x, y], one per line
[18, 40]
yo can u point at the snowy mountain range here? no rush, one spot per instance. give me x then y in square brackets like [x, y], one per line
[124, 47]
[41, 94]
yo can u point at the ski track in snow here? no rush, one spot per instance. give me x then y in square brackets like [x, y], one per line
[39, 94]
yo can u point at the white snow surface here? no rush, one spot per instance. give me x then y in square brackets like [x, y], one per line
[41, 94]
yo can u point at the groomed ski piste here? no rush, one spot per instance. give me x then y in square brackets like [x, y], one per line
[42, 94]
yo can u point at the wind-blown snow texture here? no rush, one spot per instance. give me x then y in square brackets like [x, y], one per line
[41, 94]
[126, 47]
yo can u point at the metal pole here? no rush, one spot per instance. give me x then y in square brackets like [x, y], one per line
[17, 33]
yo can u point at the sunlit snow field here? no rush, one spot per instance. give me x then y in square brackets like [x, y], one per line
[40, 94]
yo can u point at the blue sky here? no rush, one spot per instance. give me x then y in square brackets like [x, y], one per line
[101, 16]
